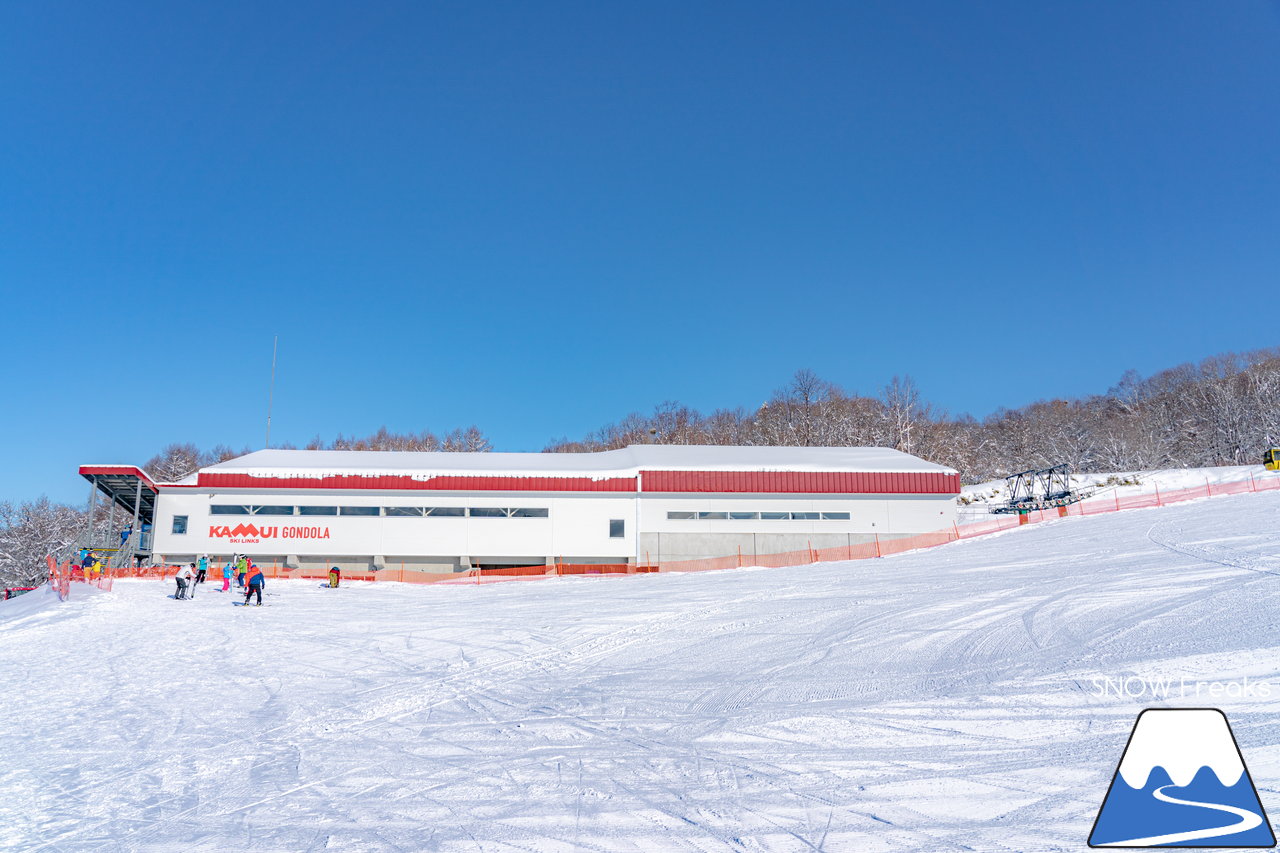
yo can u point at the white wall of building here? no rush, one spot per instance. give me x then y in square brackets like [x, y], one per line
[886, 516]
[577, 527]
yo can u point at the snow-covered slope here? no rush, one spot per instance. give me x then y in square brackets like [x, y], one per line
[948, 699]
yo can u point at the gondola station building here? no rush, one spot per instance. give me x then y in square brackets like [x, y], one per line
[451, 512]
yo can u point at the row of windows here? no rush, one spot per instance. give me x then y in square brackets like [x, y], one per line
[617, 527]
[386, 511]
[682, 515]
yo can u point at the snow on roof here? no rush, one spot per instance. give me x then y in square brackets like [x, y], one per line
[610, 463]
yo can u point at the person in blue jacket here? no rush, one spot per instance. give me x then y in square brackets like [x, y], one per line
[253, 584]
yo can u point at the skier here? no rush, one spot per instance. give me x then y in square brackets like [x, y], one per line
[255, 584]
[202, 567]
[125, 534]
[335, 577]
[183, 577]
[227, 572]
[242, 566]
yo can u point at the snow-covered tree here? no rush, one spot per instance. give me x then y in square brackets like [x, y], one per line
[31, 532]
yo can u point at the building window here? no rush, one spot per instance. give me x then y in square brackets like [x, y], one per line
[617, 528]
[530, 512]
[716, 515]
[358, 510]
[446, 511]
[179, 525]
[402, 511]
[317, 510]
[273, 510]
[225, 509]
[487, 512]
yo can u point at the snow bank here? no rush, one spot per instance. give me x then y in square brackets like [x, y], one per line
[28, 603]
[42, 600]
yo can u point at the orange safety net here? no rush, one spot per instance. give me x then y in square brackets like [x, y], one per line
[62, 575]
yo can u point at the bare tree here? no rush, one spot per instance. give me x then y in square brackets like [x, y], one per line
[903, 409]
[177, 461]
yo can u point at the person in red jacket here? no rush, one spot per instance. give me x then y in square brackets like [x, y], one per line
[254, 581]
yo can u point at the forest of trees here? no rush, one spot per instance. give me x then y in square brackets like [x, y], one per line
[1224, 410]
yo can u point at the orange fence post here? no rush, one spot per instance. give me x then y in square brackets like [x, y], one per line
[1253, 487]
[1117, 497]
[1158, 495]
[1208, 490]
[877, 535]
[739, 556]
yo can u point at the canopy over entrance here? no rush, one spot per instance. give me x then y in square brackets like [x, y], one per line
[126, 486]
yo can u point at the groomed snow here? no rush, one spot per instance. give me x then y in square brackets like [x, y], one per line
[610, 463]
[942, 700]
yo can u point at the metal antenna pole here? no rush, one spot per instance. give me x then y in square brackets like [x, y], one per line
[271, 392]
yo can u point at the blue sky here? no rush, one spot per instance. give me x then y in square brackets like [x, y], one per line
[536, 217]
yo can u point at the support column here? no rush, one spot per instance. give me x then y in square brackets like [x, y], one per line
[88, 517]
[137, 504]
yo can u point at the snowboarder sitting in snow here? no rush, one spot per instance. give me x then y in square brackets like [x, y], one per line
[255, 583]
[335, 577]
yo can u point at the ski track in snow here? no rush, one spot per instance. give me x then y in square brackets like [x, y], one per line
[941, 700]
